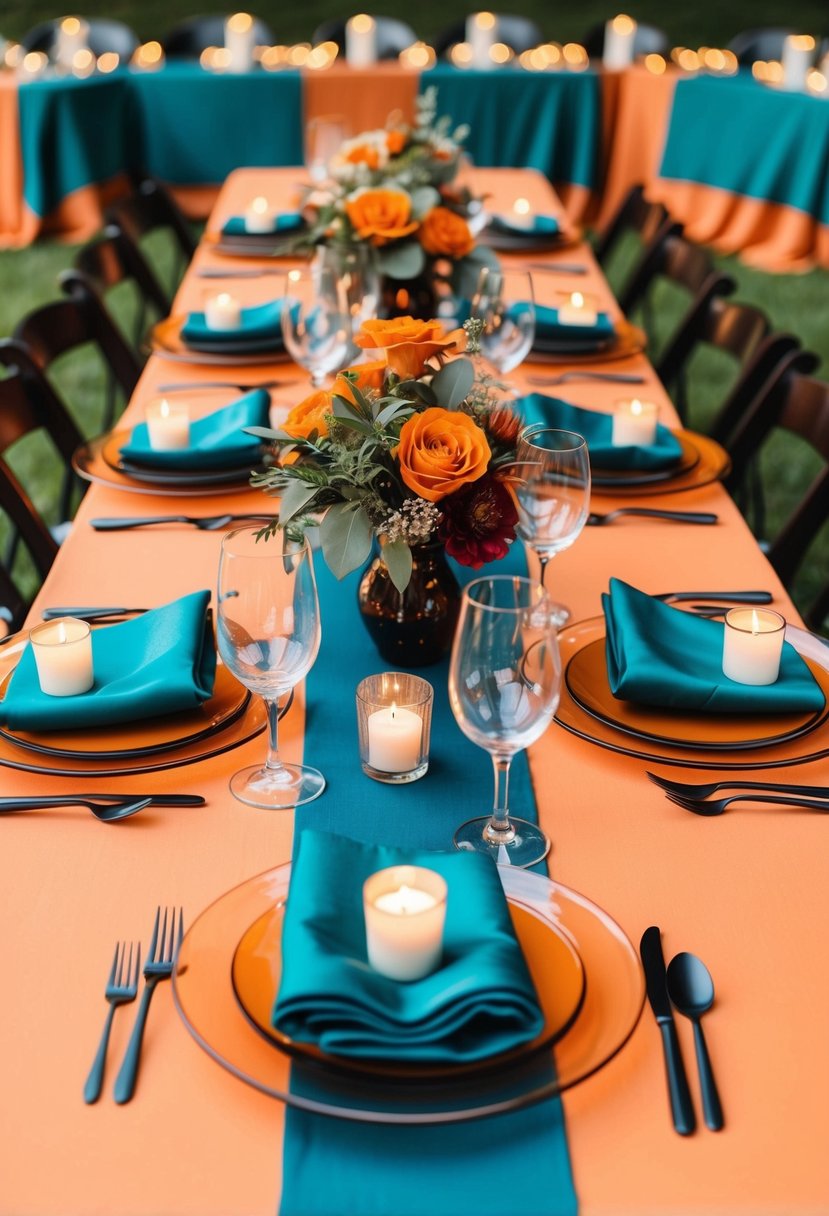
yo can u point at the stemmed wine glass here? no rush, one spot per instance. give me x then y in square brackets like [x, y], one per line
[504, 686]
[553, 489]
[316, 323]
[359, 278]
[504, 301]
[268, 629]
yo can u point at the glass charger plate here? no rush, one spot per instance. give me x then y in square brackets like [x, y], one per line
[111, 453]
[529, 242]
[89, 463]
[628, 340]
[577, 721]
[614, 993]
[262, 245]
[712, 464]
[553, 960]
[166, 340]
[615, 478]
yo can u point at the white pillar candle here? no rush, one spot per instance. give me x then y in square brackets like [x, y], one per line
[222, 311]
[480, 35]
[168, 424]
[361, 41]
[405, 909]
[577, 311]
[239, 42]
[259, 216]
[798, 53]
[752, 645]
[71, 37]
[63, 656]
[394, 737]
[619, 36]
[634, 423]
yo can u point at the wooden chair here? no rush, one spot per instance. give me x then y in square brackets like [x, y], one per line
[148, 209]
[391, 35]
[518, 33]
[112, 260]
[189, 38]
[635, 215]
[648, 40]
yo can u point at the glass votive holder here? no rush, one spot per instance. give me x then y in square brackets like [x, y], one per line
[752, 645]
[394, 717]
[168, 424]
[63, 656]
[405, 910]
[634, 423]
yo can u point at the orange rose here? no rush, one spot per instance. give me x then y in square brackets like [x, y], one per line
[369, 375]
[440, 451]
[309, 416]
[363, 154]
[408, 343]
[444, 233]
[381, 215]
[395, 142]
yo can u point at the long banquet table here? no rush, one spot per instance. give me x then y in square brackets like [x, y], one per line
[745, 892]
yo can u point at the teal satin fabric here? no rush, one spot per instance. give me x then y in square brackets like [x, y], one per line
[597, 429]
[158, 663]
[284, 224]
[260, 326]
[659, 655]
[549, 328]
[478, 1002]
[217, 441]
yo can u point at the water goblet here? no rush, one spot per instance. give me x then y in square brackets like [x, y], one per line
[323, 138]
[316, 323]
[268, 631]
[504, 301]
[553, 489]
[504, 687]
[356, 270]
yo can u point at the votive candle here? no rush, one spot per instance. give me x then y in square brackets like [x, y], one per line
[798, 53]
[405, 910]
[361, 41]
[63, 656]
[577, 311]
[240, 39]
[752, 645]
[222, 312]
[259, 216]
[168, 425]
[522, 214]
[480, 35]
[634, 423]
[619, 38]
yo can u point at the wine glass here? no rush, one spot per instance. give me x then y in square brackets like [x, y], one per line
[268, 630]
[316, 323]
[355, 267]
[323, 138]
[504, 686]
[504, 301]
[553, 489]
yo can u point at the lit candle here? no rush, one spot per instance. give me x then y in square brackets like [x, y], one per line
[634, 423]
[798, 53]
[240, 38]
[480, 35]
[71, 37]
[259, 216]
[619, 36]
[752, 645]
[522, 216]
[394, 736]
[168, 424]
[577, 311]
[63, 656]
[405, 909]
[222, 311]
[361, 41]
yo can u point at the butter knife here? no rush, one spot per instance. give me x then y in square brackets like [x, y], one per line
[682, 1111]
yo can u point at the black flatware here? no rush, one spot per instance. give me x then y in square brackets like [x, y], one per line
[192, 386]
[723, 597]
[691, 990]
[677, 517]
[650, 950]
[106, 812]
[121, 989]
[90, 613]
[693, 789]
[205, 523]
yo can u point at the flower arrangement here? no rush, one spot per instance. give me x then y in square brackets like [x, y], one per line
[409, 449]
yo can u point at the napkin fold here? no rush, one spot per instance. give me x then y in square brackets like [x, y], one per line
[217, 441]
[158, 663]
[548, 328]
[284, 224]
[659, 655]
[261, 327]
[537, 225]
[597, 429]
[479, 1002]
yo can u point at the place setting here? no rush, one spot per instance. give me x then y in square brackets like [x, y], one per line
[521, 229]
[262, 230]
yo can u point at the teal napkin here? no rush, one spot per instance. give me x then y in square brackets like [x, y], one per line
[158, 663]
[479, 1002]
[548, 328]
[261, 325]
[285, 223]
[542, 225]
[659, 655]
[597, 429]
[217, 441]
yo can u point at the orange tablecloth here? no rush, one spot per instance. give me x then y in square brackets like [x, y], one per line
[744, 891]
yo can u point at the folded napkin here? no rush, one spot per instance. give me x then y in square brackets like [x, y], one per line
[659, 655]
[261, 326]
[284, 224]
[597, 429]
[548, 328]
[539, 225]
[479, 1002]
[158, 663]
[217, 441]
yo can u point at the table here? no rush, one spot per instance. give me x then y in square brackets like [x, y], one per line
[742, 891]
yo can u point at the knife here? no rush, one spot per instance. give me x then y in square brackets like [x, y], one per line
[650, 949]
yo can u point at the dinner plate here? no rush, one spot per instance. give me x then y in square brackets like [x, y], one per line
[615, 478]
[254, 244]
[529, 242]
[627, 340]
[711, 463]
[90, 463]
[111, 452]
[166, 341]
[553, 960]
[613, 997]
[811, 744]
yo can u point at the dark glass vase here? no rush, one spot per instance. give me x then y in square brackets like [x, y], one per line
[409, 297]
[415, 628]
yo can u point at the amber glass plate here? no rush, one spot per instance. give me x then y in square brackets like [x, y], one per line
[615, 478]
[530, 242]
[712, 464]
[96, 461]
[613, 996]
[554, 963]
[111, 452]
[628, 340]
[166, 340]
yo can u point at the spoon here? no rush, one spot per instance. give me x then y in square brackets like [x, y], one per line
[107, 814]
[691, 990]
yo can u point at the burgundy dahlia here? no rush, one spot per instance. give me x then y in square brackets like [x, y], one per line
[478, 522]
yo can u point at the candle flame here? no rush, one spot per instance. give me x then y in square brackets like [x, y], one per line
[362, 23]
[636, 406]
[71, 26]
[485, 21]
[259, 205]
[164, 410]
[624, 24]
[577, 300]
[240, 23]
[224, 298]
[521, 206]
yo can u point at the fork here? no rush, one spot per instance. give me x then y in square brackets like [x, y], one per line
[164, 945]
[193, 386]
[205, 523]
[121, 989]
[605, 377]
[678, 517]
[214, 272]
[702, 790]
[700, 806]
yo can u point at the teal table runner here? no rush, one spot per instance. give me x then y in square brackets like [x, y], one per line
[769, 145]
[512, 1165]
[526, 120]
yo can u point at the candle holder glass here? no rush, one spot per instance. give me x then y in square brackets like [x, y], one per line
[505, 303]
[63, 656]
[753, 645]
[394, 719]
[405, 910]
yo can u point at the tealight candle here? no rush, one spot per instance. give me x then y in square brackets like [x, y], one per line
[394, 740]
[394, 712]
[259, 216]
[798, 53]
[240, 39]
[222, 311]
[405, 909]
[168, 425]
[63, 656]
[752, 645]
[577, 311]
[361, 41]
[480, 35]
[619, 37]
[522, 216]
[634, 423]
[71, 37]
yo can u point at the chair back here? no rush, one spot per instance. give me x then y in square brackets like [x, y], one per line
[147, 209]
[518, 33]
[734, 329]
[104, 36]
[635, 214]
[114, 258]
[391, 35]
[763, 43]
[648, 40]
[189, 38]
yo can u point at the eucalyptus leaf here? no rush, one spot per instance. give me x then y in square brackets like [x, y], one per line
[424, 198]
[341, 407]
[398, 558]
[397, 409]
[266, 432]
[404, 261]
[453, 383]
[295, 496]
[346, 535]
[466, 271]
[354, 424]
[417, 388]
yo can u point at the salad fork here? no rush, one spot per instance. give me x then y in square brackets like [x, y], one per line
[121, 989]
[716, 806]
[205, 523]
[605, 377]
[705, 790]
[677, 517]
